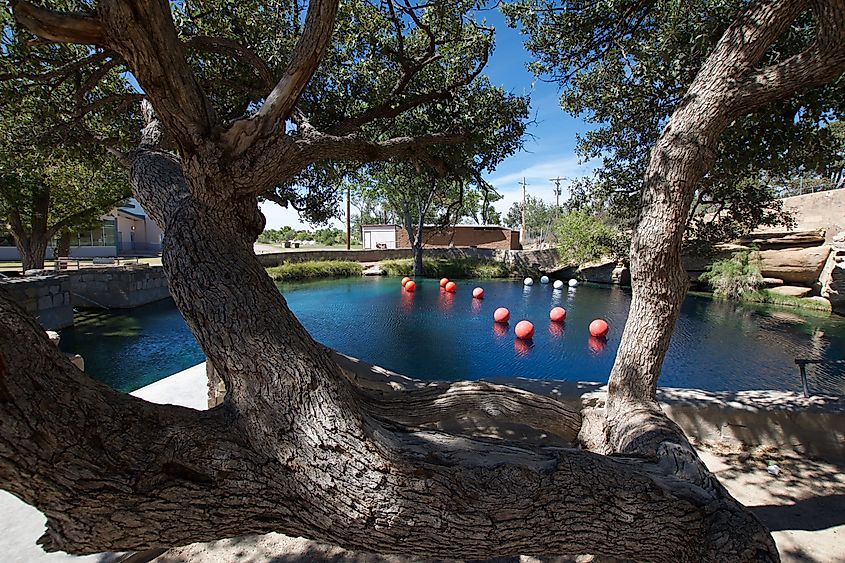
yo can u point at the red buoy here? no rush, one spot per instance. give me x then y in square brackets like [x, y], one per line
[411, 286]
[501, 315]
[443, 282]
[558, 314]
[478, 293]
[405, 280]
[524, 330]
[599, 328]
[451, 287]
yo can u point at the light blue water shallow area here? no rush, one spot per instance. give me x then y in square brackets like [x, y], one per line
[431, 334]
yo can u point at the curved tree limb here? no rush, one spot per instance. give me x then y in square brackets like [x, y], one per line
[309, 51]
[61, 27]
[819, 63]
[286, 156]
[225, 46]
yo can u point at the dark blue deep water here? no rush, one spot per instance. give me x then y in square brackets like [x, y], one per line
[434, 335]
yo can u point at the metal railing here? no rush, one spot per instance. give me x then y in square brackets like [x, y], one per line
[802, 367]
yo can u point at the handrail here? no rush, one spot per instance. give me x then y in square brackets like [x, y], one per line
[802, 367]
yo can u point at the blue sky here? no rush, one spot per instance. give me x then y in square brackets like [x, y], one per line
[549, 151]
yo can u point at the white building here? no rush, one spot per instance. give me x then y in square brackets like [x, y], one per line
[125, 230]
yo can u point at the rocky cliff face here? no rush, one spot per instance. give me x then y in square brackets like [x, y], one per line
[833, 277]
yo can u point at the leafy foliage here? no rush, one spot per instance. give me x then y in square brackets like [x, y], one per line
[314, 269]
[734, 277]
[539, 217]
[624, 67]
[583, 237]
[456, 268]
[54, 176]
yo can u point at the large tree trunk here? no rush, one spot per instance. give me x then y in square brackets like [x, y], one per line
[32, 247]
[728, 85]
[296, 448]
[415, 236]
[32, 238]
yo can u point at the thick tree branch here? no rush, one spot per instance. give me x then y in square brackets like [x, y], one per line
[61, 27]
[232, 48]
[287, 156]
[309, 51]
[823, 61]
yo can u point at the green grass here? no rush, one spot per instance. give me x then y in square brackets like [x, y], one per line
[448, 267]
[769, 298]
[290, 271]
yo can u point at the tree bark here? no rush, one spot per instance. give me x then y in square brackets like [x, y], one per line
[684, 153]
[296, 448]
[31, 240]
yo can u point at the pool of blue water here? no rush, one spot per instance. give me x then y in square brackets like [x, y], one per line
[431, 334]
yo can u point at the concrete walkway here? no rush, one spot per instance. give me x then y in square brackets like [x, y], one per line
[804, 505]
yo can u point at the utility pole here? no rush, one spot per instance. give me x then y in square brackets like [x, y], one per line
[348, 221]
[523, 229]
[557, 190]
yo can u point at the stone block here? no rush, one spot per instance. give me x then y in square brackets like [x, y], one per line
[795, 265]
[791, 290]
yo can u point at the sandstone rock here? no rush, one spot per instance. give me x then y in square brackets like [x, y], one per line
[795, 265]
[821, 300]
[783, 239]
[772, 282]
[792, 290]
[76, 360]
[609, 271]
[833, 286]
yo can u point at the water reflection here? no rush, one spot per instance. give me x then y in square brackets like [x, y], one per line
[522, 347]
[556, 329]
[501, 329]
[597, 344]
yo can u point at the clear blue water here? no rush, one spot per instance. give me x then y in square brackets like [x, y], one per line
[434, 335]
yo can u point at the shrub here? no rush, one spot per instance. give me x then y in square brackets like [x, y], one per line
[448, 267]
[583, 237]
[734, 277]
[314, 269]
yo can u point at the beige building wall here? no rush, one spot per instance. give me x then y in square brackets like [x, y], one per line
[462, 236]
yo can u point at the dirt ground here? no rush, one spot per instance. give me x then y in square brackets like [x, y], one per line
[803, 506]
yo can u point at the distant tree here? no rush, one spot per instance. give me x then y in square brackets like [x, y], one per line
[583, 237]
[539, 217]
[55, 177]
[629, 86]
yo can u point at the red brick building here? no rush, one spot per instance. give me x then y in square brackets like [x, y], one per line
[466, 236]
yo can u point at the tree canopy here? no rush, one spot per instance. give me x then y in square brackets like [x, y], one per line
[625, 66]
[299, 445]
[54, 173]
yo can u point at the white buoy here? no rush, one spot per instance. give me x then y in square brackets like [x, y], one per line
[544, 279]
[558, 284]
[573, 282]
[528, 281]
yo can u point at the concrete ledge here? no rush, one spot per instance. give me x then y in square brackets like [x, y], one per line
[781, 419]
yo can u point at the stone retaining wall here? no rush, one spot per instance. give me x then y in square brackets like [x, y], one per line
[51, 298]
[47, 298]
[122, 287]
